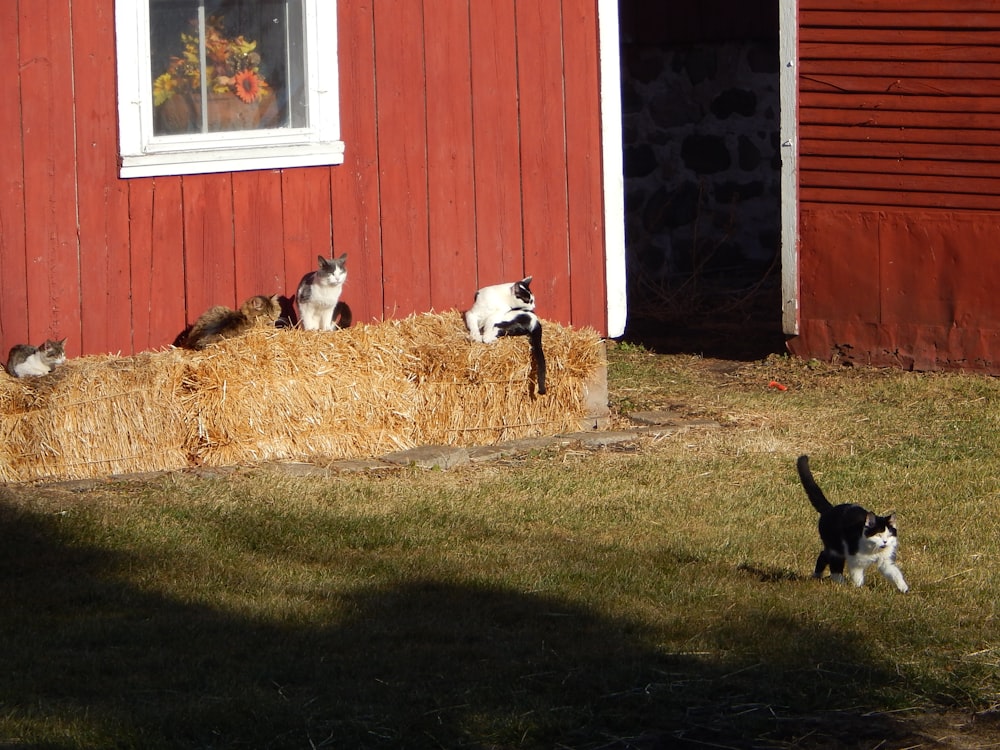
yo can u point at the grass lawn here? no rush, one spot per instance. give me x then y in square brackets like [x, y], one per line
[656, 595]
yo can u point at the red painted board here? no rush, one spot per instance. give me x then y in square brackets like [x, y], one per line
[933, 272]
[356, 209]
[904, 346]
[890, 19]
[157, 261]
[496, 134]
[401, 123]
[13, 271]
[102, 197]
[543, 156]
[307, 227]
[53, 271]
[588, 292]
[450, 177]
[258, 233]
[955, 7]
[209, 258]
[839, 264]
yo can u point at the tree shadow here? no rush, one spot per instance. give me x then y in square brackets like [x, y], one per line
[90, 660]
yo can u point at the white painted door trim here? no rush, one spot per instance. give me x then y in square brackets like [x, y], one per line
[788, 51]
[612, 164]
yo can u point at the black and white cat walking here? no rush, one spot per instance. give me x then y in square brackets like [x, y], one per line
[852, 535]
[508, 310]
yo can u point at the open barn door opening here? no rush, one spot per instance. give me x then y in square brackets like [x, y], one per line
[703, 134]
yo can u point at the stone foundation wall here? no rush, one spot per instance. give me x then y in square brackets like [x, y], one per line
[702, 159]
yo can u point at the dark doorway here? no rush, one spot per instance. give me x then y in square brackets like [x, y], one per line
[702, 176]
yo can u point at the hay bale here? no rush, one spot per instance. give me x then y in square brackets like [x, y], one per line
[13, 403]
[95, 416]
[287, 394]
[275, 394]
[481, 394]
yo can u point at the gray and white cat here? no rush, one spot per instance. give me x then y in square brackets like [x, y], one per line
[318, 294]
[25, 360]
[508, 310]
[852, 535]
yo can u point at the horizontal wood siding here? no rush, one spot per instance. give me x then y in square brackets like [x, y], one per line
[472, 132]
[887, 93]
[899, 183]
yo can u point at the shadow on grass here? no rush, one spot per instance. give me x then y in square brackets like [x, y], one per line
[90, 661]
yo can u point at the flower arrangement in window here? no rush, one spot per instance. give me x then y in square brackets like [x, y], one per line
[232, 66]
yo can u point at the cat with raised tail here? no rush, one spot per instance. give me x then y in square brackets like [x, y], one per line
[508, 310]
[25, 360]
[220, 322]
[318, 293]
[853, 536]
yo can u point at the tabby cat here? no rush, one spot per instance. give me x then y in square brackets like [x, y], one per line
[852, 535]
[25, 360]
[221, 322]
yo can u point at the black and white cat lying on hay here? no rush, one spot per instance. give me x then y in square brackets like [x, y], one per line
[508, 310]
[852, 535]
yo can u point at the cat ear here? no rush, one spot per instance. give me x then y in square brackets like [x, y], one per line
[526, 280]
[870, 520]
[62, 343]
[322, 260]
[342, 258]
[891, 520]
[275, 300]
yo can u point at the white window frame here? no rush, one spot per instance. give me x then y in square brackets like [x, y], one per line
[144, 154]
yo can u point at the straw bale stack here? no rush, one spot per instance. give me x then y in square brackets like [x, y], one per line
[276, 394]
[13, 402]
[287, 394]
[481, 394]
[96, 416]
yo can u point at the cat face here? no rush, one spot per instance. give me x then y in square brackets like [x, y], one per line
[880, 531]
[262, 306]
[522, 293]
[333, 269]
[54, 351]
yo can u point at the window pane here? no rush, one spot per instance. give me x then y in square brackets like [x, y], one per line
[249, 54]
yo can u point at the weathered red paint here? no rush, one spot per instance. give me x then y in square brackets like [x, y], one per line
[899, 289]
[899, 196]
[472, 133]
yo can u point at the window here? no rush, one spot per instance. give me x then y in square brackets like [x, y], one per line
[226, 85]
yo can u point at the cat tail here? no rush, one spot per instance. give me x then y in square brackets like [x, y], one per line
[816, 496]
[535, 336]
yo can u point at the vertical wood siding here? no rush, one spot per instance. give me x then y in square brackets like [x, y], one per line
[899, 185]
[472, 131]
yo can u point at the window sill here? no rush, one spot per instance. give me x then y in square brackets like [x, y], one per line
[232, 159]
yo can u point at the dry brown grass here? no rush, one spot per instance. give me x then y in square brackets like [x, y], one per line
[654, 595]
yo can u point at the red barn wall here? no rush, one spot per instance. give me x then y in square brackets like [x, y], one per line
[472, 132]
[899, 185]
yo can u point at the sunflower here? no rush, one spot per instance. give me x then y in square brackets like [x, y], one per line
[248, 86]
